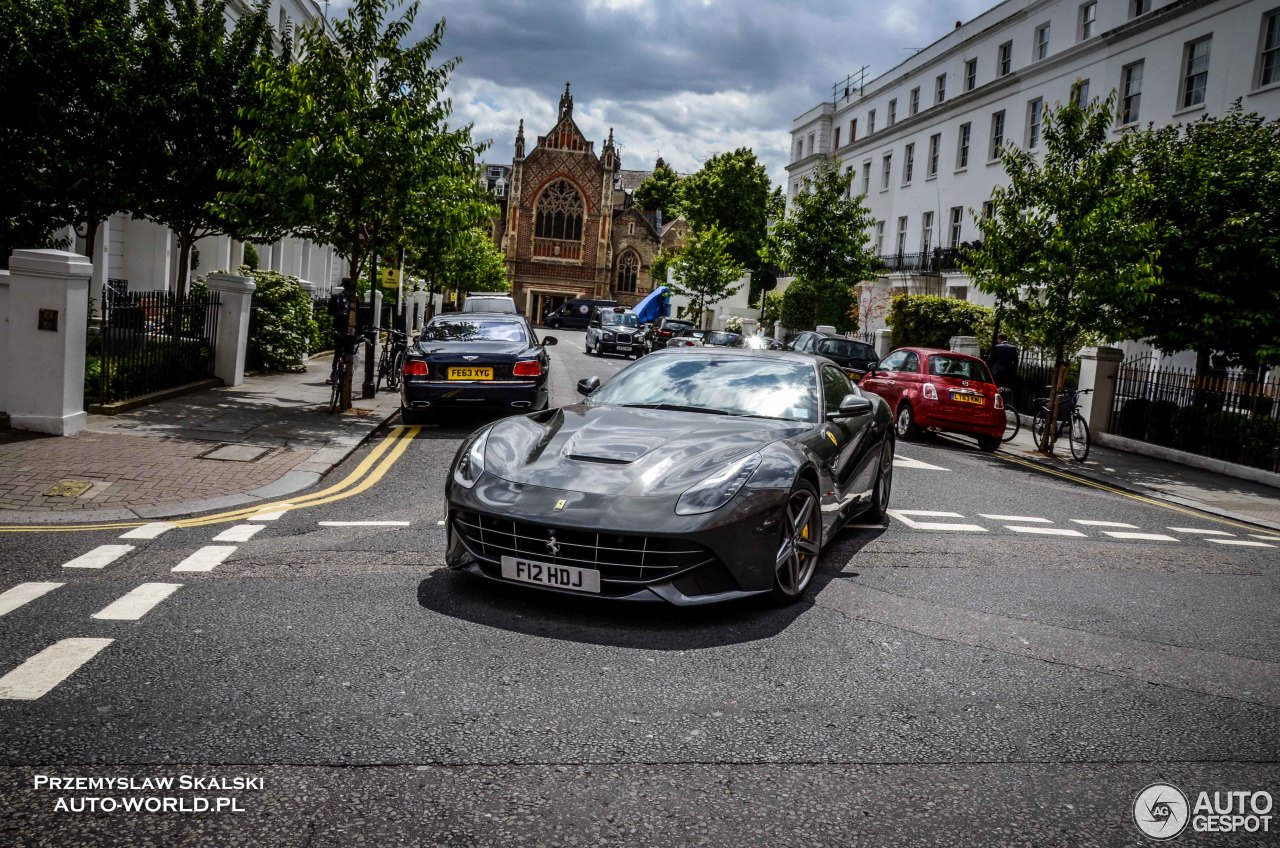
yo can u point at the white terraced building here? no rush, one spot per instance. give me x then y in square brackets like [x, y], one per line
[922, 139]
[139, 255]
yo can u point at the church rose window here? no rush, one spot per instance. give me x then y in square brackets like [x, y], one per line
[559, 213]
[628, 267]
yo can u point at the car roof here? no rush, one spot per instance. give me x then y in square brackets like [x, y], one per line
[489, 294]
[934, 351]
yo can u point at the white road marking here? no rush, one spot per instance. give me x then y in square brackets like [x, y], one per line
[1150, 537]
[239, 533]
[908, 462]
[148, 531]
[866, 526]
[24, 593]
[271, 515]
[440, 523]
[99, 557]
[1104, 523]
[1045, 531]
[364, 523]
[1244, 543]
[137, 603]
[1264, 536]
[901, 515]
[48, 668]
[1201, 531]
[1024, 519]
[206, 559]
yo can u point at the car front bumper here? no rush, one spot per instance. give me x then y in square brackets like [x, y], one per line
[642, 549]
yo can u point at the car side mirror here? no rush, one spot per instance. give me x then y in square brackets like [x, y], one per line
[873, 365]
[547, 341]
[850, 407]
[588, 385]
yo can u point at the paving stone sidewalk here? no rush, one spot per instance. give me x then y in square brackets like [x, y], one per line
[214, 449]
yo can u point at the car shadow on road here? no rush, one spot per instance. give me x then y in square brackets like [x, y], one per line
[648, 626]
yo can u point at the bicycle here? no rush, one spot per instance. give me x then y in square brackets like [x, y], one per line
[391, 363]
[342, 344]
[1012, 420]
[1069, 417]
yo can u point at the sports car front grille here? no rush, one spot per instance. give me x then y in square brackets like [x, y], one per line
[620, 558]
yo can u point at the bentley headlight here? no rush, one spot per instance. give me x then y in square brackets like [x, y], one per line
[718, 489]
[470, 464]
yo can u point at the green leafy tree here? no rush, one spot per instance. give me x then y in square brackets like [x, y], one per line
[804, 307]
[658, 268]
[1066, 250]
[730, 192]
[351, 143]
[823, 240]
[281, 323]
[473, 263]
[67, 138]
[705, 271]
[195, 81]
[660, 191]
[1215, 200]
[930, 321]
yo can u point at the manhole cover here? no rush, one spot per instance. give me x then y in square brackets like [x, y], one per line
[235, 453]
[68, 489]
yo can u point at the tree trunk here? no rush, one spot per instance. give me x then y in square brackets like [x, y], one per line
[91, 240]
[1050, 433]
[184, 264]
[348, 352]
[1200, 397]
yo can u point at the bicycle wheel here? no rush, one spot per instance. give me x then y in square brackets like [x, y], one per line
[397, 368]
[1012, 424]
[1037, 424]
[335, 394]
[1079, 438]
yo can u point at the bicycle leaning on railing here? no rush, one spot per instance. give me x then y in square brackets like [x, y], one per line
[391, 363]
[342, 344]
[1069, 417]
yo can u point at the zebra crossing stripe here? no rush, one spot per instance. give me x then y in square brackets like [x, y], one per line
[137, 603]
[99, 557]
[1021, 519]
[48, 668]
[1244, 543]
[1046, 531]
[901, 515]
[1085, 523]
[24, 593]
[239, 533]
[206, 559]
[1149, 537]
[148, 531]
[1200, 531]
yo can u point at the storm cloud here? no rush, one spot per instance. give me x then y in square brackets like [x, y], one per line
[681, 79]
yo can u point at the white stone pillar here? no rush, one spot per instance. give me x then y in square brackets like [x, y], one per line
[965, 344]
[1098, 369]
[883, 342]
[235, 294]
[237, 256]
[48, 314]
[4, 341]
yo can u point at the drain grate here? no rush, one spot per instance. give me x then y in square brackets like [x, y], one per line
[68, 489]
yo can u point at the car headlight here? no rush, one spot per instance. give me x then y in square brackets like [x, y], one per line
[718, 489]
[471, 463]
[608, 333]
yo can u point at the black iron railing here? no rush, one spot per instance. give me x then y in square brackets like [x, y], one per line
[1232, 416]
[149, 342]
[932, 262]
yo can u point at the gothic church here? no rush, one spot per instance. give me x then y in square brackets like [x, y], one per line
[572, 229]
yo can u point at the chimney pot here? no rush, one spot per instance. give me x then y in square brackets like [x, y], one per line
[959, 24]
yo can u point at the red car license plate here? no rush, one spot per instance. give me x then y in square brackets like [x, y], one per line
[966, 397]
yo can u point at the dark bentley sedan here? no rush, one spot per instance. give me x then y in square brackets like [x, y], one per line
[691, 477]
[474, 360]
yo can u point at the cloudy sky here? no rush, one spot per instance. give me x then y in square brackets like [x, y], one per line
[681, 79]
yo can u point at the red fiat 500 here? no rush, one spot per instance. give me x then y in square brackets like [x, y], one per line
[935, 389]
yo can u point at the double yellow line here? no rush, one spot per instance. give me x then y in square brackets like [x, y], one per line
[364, 476]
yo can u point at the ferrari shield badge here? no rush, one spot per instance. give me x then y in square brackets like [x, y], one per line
[560, 503]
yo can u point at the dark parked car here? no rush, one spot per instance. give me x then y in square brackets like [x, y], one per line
[474, 360]
[692, 477]
[853, 357]
[661, 331]
[939, 389]
[574, 314]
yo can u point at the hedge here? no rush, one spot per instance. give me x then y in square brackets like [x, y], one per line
[923, 320]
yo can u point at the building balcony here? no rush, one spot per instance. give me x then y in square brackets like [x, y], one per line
[545, 248]
[936, 261]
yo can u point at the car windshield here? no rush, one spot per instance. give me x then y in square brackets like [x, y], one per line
[846, 349]
[961, 369]
[619, 319]
[488, 304]
[720, 384]
[477, 330]
[718, 338]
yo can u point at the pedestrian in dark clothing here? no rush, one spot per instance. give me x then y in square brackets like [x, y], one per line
[1004, 362]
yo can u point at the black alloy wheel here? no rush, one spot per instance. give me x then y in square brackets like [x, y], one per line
[799, 546]
[883, 487]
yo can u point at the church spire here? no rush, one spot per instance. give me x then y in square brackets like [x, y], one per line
[520, 140]
[566, 102]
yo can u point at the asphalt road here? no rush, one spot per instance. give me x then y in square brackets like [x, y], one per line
[994, 667]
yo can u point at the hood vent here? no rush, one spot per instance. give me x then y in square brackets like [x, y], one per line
[607, 460]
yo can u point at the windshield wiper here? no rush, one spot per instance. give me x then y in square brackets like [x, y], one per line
[675, 407]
